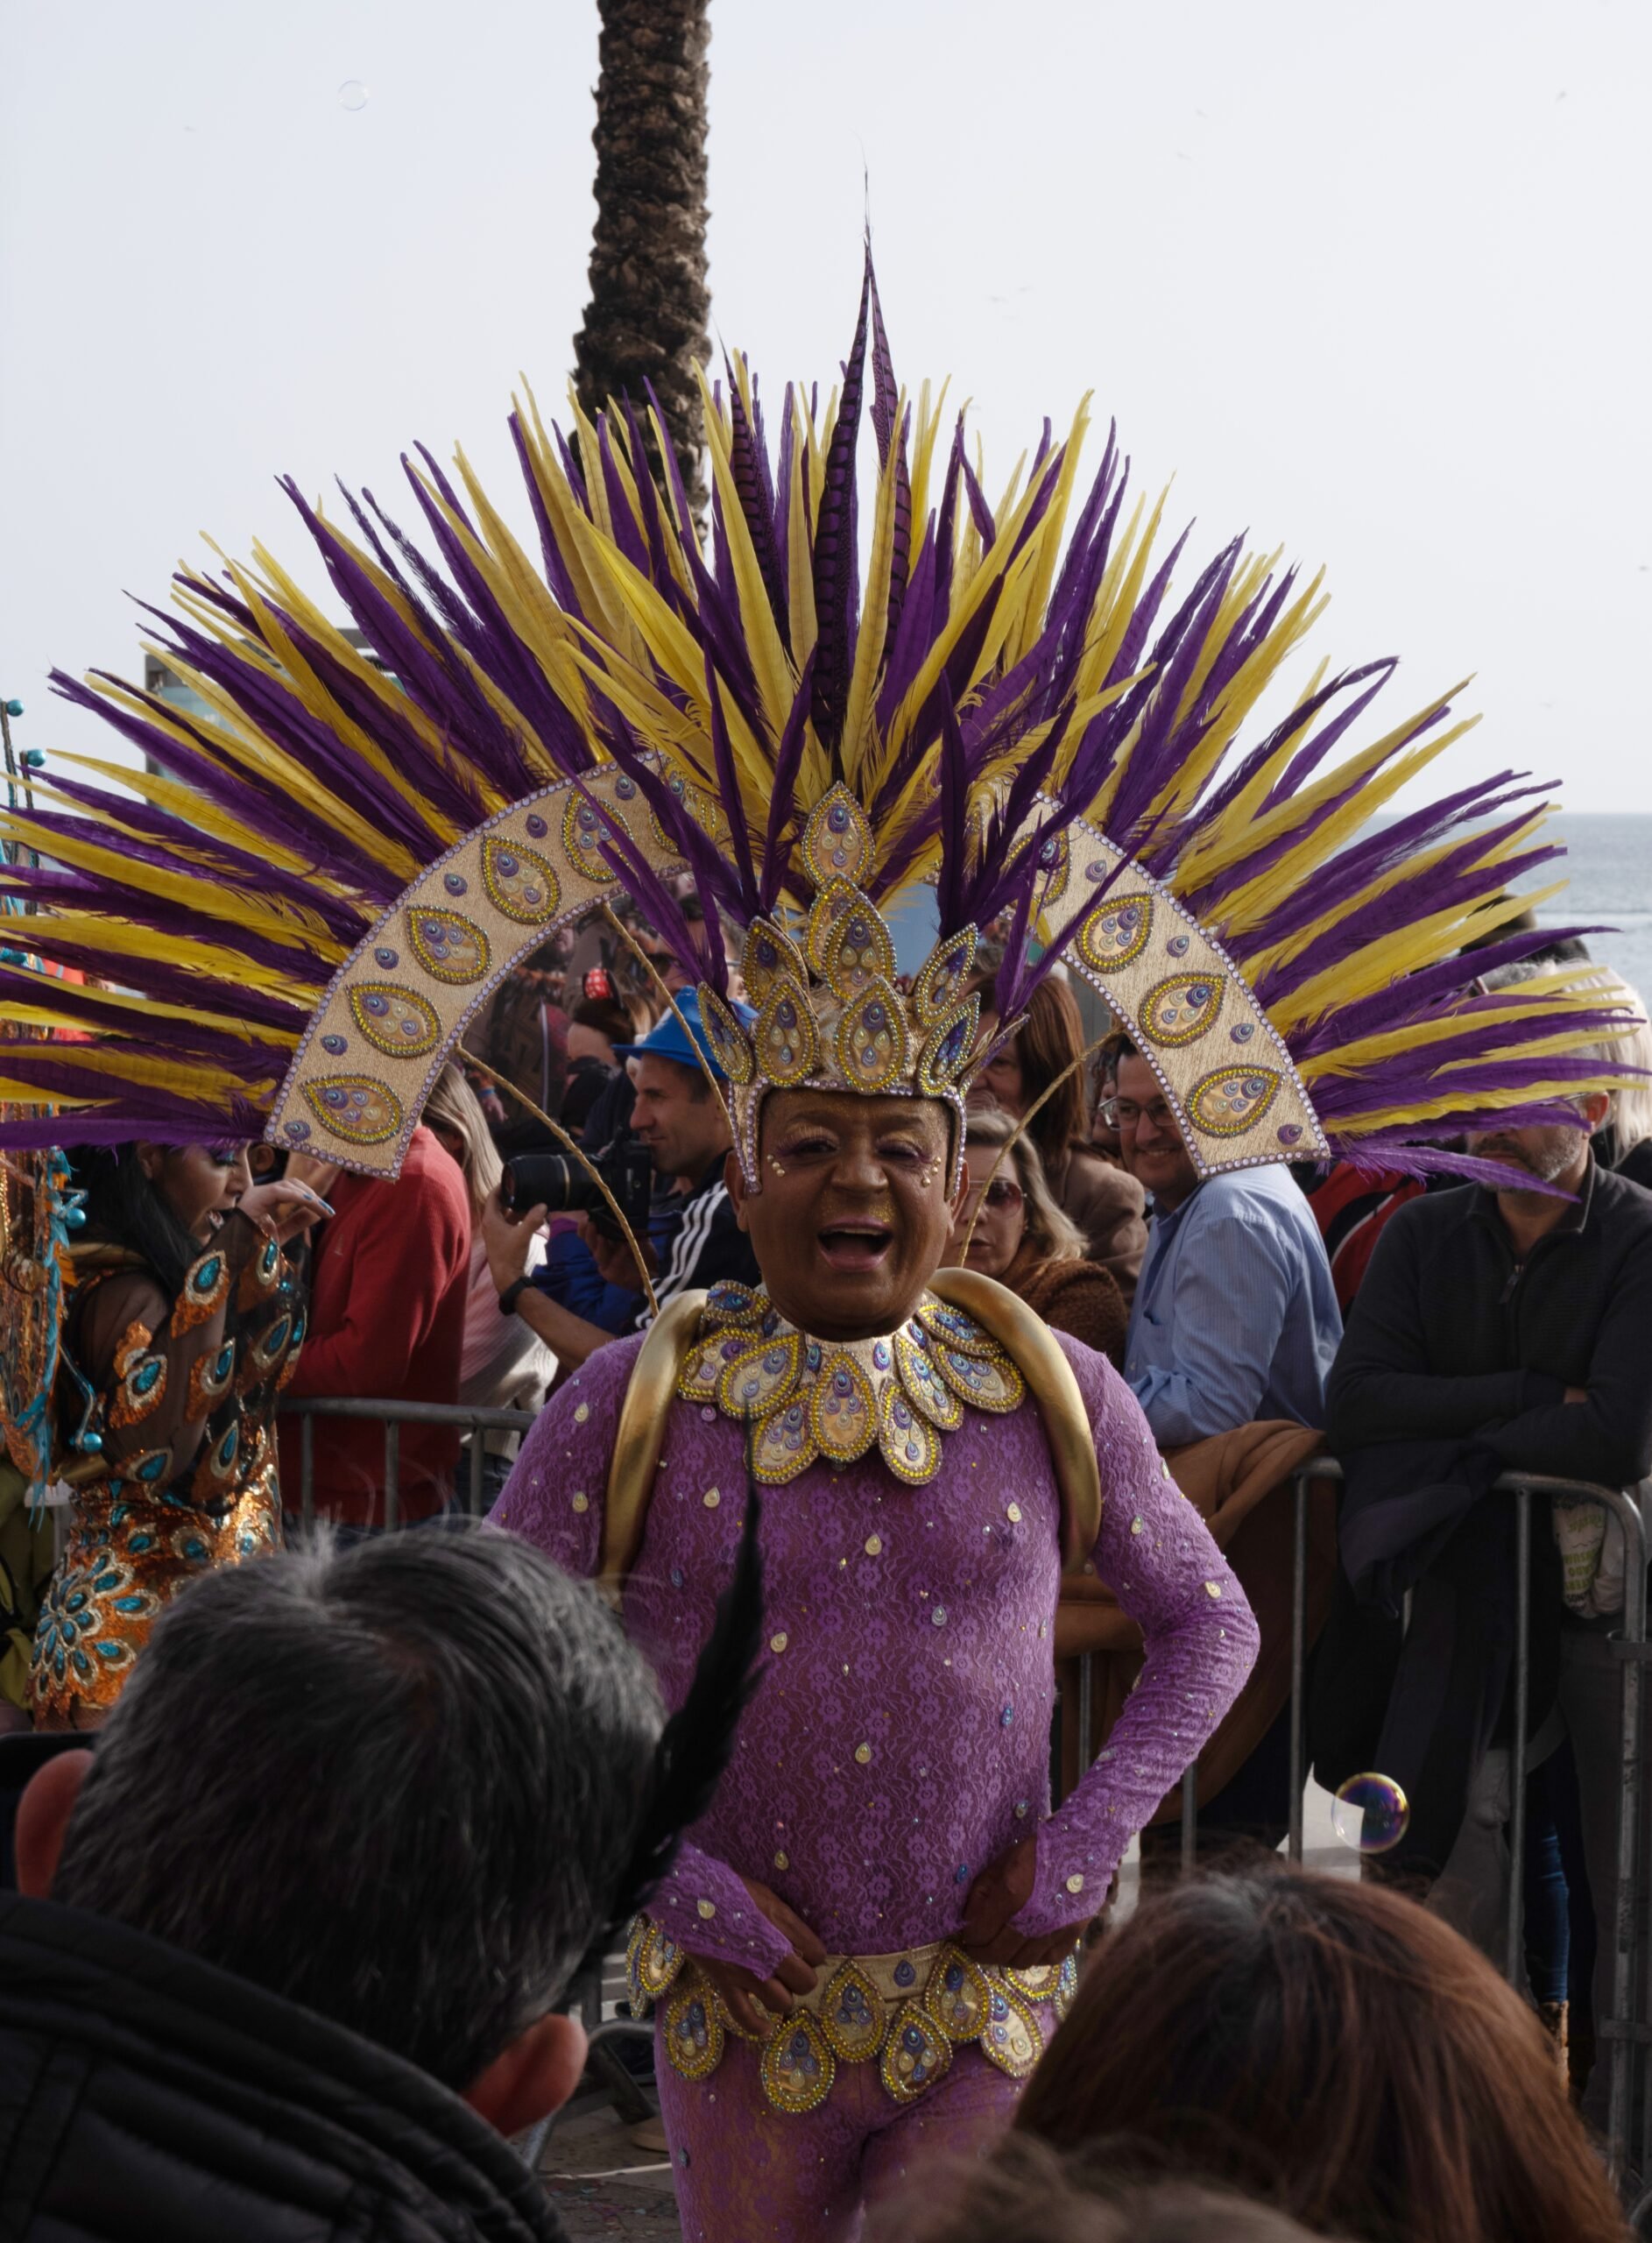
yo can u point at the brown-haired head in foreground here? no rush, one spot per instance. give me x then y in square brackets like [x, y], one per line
[1331, 2046]
[1026, 2193]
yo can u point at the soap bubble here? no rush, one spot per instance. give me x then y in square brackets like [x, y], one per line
[352, 94]
[1370, 1813]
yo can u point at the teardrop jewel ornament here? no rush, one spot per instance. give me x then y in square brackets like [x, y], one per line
[1231, 1100]
[786, 1044]
[1181, 1009]
[783, 1445]
[951, 1327]
[399, 1023]
[837, 843]
[947, 1048]
[768, 955]
[852, 2015]
[915, 2054]
[941, 977]
[926, 1390]
[451, 947]
[843, 1411]
[520, 883]
[761, 1379]
[585, 829]
[359, 1109]
[910, 1444]
[1116, 932]
[993, 1385]
[873, 1046]
[731, 1047]
[833, 903]
[1010, 2038]
[701, 806]
[858, 951]
[694, 2031]
[797, 2066]
[958, 1996]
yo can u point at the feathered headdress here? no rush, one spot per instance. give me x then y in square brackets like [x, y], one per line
[325, 877]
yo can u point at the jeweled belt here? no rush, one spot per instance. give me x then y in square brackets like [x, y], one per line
[907, 2011]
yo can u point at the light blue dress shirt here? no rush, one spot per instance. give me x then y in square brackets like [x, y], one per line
[1235, 1316]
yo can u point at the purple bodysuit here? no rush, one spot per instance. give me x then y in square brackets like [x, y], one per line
[899, 1740]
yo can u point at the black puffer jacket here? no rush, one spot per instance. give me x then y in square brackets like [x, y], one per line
[147, 2098]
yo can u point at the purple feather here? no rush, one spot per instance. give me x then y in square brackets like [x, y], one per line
[836, 569]
[788, 762]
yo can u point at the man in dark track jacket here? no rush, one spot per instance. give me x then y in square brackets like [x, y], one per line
[314, 1900]
[1495, 1331]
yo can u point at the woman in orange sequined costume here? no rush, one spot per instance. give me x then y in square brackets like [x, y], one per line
[185, 1322]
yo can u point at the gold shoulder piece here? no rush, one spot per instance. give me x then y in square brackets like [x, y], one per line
[640, 1434]
[1031, 1346]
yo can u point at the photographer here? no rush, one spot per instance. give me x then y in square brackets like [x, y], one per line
[693, 1239]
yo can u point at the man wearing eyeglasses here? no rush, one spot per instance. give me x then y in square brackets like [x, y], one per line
[1235, 1316]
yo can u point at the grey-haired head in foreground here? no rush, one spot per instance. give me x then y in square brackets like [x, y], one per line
[400, 1784]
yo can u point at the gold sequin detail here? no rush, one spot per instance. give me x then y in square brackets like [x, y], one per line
[1013, 1514]
[581, 1414]
[782, 1861]
[1213, 1588]
[863, 1753]
[874, 1545]
[779, 1640]
[712, 1497]
[804, 1400]
[582, 1503]
[1075, 1883]
[708, 1908]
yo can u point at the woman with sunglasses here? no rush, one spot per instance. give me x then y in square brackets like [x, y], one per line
[1016, 1233]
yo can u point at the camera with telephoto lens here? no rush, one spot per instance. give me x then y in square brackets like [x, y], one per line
[557, 1182]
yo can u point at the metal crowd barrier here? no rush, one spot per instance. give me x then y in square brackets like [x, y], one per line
[393, 1416]
[1622, 2033]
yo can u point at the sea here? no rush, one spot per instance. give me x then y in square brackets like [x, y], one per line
[1608, 871]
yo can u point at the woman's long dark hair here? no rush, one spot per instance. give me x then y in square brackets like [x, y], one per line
[124, 1209]
[1332, 2046]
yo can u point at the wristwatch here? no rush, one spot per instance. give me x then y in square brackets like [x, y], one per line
[508, 1298]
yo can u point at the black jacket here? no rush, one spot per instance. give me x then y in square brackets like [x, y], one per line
[147, 2098]
[1448, 1341]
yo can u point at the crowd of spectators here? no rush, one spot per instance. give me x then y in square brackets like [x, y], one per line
[1248, 2053]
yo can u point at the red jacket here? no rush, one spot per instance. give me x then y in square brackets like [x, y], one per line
[387, 1303]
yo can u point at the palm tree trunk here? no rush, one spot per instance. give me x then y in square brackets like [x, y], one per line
[649, 302]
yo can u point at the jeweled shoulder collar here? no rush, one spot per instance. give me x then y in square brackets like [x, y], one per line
[812, 1399]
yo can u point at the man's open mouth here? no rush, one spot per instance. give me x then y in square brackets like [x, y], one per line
[854, 1244]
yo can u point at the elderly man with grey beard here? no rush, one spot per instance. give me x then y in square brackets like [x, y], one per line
[1500, 1328]
[314, 1901]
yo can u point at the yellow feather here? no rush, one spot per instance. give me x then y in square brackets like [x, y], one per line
[776, 683]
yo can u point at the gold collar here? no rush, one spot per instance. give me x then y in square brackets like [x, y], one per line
[807, 1399]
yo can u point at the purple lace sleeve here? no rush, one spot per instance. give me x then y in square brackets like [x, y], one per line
[554, 1499]
[1156, 1554]
[704, 1907]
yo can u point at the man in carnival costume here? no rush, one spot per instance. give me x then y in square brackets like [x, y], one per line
[864, 1947]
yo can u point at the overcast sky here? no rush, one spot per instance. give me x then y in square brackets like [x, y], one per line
[1369, 279]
